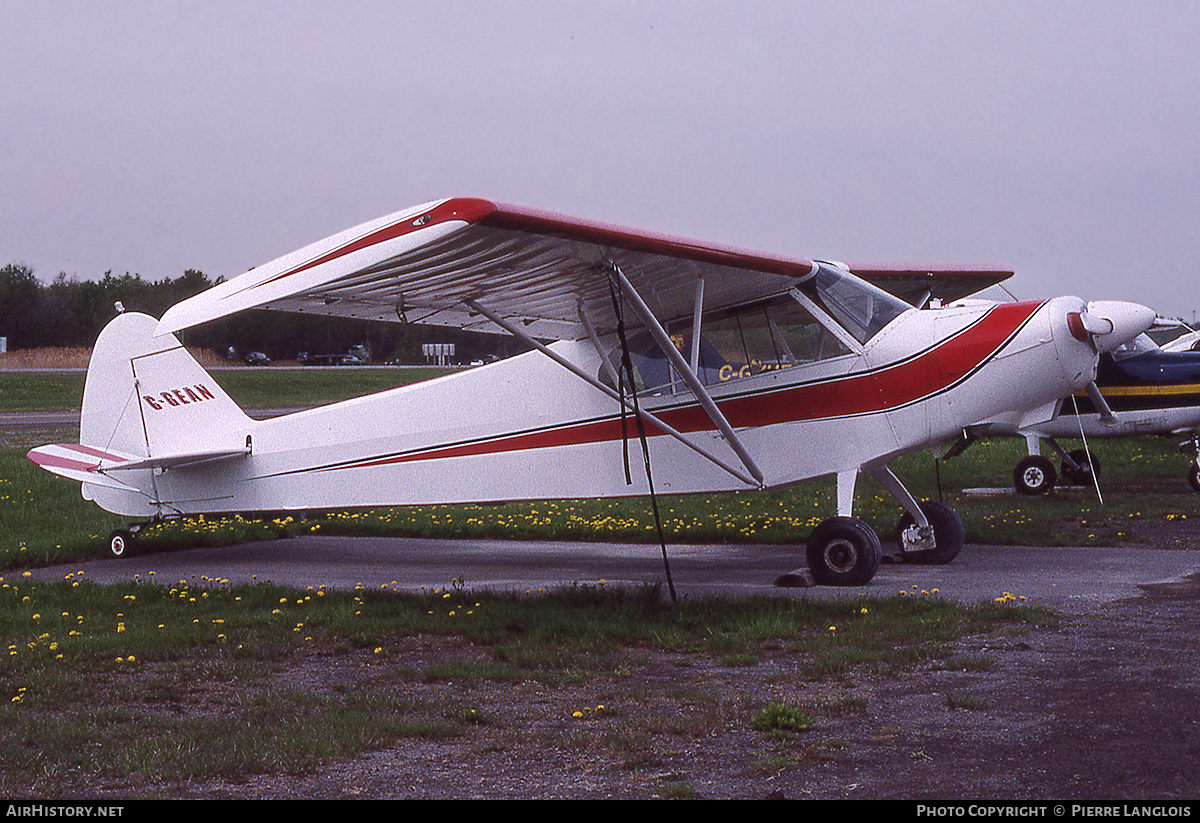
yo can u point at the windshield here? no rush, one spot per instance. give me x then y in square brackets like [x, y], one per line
[735, 343]
[1138, 345]
[859, 307]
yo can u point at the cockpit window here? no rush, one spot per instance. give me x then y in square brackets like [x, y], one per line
[1138, 345]
[775, 334]
[862, 309]
[820, 319]
[746, 341]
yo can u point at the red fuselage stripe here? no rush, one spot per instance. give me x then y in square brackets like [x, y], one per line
[920, 377]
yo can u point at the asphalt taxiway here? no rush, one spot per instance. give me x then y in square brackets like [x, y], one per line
[1070, 579]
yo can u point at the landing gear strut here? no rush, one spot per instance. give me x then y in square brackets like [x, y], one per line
[845, 551]
[929, 532]
[1193, 446]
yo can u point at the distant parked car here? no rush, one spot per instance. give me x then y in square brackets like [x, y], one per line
[257, 358]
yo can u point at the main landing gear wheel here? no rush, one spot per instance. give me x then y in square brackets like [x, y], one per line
[1034, 475]
[1085, 469]
[843, 551]
[120, 544]
[1194, 478]
[949, 535]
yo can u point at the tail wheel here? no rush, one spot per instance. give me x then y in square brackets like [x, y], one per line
[949, 534]
[1086, 467]
[120, 544]
[1034, 475]
[843, 551]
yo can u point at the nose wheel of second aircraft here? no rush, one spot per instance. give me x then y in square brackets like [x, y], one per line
[1034, 475]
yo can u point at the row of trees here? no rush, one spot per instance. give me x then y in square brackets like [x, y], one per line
[69, 312]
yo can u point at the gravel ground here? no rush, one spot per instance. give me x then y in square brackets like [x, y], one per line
[1104, 706]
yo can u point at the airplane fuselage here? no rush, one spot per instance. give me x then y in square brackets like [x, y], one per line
[526, 428]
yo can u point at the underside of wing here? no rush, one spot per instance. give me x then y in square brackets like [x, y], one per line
[439, 262]
[535, 268]
[918, 285]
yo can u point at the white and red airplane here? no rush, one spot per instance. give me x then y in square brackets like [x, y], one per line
[734, 370]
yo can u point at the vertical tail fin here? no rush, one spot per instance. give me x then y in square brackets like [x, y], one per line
[148, 396]
[147, 406]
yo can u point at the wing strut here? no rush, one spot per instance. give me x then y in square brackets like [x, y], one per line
[1099, 403]
[519, 333]
[689, 376]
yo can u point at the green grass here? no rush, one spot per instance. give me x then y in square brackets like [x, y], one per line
[782, 718]
[29, 391]
[44, 520]
[26, 391]
[165, 680]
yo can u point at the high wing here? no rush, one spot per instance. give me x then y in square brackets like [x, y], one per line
[918, 285]
[531, 267]
[436, 263]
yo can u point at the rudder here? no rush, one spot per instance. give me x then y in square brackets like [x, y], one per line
[148, 396]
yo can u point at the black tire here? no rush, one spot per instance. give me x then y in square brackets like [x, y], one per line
[949, 534]
[1089, 468]
[1194, 477]
[843, 551]
[1034, 475]
[120, 544]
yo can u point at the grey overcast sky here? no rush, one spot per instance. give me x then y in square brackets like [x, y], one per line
[1056, 137]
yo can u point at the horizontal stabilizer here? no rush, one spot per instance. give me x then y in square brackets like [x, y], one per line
[91, 465]
[179, 459]
[83, 463]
